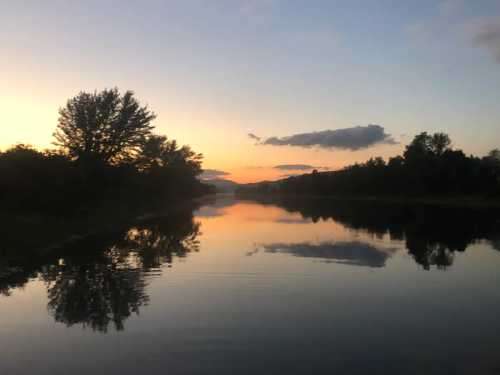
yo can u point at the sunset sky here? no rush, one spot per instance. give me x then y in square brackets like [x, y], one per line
[290, 73]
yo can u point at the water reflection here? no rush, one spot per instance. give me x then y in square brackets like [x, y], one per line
[355, 253]
[101, 280]
[329, 278]
[95, 291]
[432, 234]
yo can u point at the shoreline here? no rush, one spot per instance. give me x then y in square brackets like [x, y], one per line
[51, 231]
[453, 201]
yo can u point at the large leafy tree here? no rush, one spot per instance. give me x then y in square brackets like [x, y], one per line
[425, 145]
[103, 126]
[159, 152]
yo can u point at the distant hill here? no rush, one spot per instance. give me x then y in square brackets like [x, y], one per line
[222, 185]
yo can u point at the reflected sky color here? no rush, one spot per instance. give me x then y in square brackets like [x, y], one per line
[360, 304]
[215, 71]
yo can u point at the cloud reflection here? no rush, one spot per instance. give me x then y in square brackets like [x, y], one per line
[354, 253]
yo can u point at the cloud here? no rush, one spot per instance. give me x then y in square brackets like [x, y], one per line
[294, 167]
[485, 33]
[209, 174]
[254, 137]
[289, 167]
[353, 253]
[353, 139]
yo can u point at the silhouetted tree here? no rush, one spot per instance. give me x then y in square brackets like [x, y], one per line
[159, 152]
[440, 143]
[424, 145]
[35, 180]
[106, 153]
[106, 127]
[428, 167]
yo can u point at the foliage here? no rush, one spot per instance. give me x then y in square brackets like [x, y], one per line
[429, 166]
[107, 127]
[106, 152]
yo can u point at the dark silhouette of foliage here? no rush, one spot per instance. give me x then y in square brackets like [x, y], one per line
[159, 152]
[428, 167]
[35, 180]
[103, 127]
[106, 153]
[168, 168]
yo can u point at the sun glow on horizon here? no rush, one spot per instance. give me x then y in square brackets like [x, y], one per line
[217, 71]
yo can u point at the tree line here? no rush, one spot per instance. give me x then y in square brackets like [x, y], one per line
[429, 166]
[105, 149]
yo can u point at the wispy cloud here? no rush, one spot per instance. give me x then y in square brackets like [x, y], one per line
[289, 167]
[209, 174]
[353, 139]
[254, 137]
[294, 167]
[485, 33]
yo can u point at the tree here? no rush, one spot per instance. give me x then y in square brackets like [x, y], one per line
[424, 145]
[440, 143]
[492, 162]
[419, 147]
[107, 126]
[159, 152]
[494, 155]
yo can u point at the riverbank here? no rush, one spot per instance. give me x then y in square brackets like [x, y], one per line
[454, 201]
[38, 232]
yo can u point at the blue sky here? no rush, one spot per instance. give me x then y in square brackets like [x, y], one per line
[217, 70]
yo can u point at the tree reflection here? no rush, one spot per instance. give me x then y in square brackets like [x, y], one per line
[155, 242]
[95, 293]
[100, 281]
[432, 234]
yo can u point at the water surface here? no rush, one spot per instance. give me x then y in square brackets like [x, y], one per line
[259, 286]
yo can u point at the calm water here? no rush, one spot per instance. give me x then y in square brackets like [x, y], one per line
[300, 287]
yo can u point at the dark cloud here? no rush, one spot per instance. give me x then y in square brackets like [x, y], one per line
[485, 33]
[353, 253]
[288, 167]
[209, 174]
[294, 167]
[254, 137]
[354, 138]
